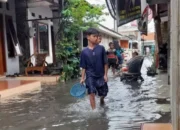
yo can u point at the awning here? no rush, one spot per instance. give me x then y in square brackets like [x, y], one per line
[127, 10]
[37, 3]
[111, 7]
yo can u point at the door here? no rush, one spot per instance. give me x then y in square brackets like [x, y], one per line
[2, 48]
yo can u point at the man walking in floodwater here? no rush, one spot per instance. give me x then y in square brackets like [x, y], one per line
[94, 65]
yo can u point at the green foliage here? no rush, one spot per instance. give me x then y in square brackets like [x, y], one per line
[68, 53]
[77, 16]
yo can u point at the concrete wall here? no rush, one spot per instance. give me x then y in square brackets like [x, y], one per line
[11, 63]
[175, 61]
[44, 12]
[106, 39]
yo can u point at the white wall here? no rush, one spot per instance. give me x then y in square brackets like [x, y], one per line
[44, 12]
[106, 39]
[12, 64]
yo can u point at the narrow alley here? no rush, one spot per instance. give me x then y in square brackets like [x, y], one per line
[127, 107]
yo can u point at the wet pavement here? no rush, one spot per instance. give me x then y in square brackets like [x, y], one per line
[127, 107]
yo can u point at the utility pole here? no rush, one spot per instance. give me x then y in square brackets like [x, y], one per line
[175, 62]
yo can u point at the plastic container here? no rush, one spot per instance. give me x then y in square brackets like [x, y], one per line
[78, 90]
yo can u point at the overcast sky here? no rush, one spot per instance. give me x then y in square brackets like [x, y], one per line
[109, 22]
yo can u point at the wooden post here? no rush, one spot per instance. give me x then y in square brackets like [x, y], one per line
[158, 30]
[174, 77]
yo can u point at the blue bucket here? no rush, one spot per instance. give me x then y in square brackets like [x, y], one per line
[78, 90]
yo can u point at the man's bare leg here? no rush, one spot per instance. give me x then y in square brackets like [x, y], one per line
[92, 101]
[102, 101]
[113, 70]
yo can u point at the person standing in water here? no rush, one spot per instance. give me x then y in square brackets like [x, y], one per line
[112, 57]
[93, 62]
[119, 52]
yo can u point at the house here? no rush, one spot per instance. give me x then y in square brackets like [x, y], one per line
[26, 27]
[9, 52]
[40, 25]
[42, 29]
[148, 43]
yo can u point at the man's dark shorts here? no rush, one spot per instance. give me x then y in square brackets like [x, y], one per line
[112, 63]
[97, 86]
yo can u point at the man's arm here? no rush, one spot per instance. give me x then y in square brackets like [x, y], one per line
[82, 76]
[116, 57]
[105, 65]
[117, 60]
[83, 66]
[105, 69]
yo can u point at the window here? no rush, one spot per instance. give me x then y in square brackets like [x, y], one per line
[85, 42]
[33, 14]
[7, 6]
[135, 45]
[0, 4]
[43, 41]
[40, 16]
[41, 38]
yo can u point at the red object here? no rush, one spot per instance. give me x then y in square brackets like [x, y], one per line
[111, 56]
[124, 69]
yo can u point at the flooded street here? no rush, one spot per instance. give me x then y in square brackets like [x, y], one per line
[127, 107]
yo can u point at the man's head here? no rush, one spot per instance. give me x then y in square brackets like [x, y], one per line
[99, 39]
[134, 54]
[111, 45]
[92, 35]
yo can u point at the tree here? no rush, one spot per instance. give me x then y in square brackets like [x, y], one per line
[77, 16]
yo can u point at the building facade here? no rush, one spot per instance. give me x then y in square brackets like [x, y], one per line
[26, 27]
[9, 59]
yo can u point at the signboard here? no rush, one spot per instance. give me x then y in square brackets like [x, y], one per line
[128, 10]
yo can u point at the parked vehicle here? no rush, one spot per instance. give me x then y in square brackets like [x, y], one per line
[133, 72]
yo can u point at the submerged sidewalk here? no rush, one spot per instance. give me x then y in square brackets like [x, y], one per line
[11, 87]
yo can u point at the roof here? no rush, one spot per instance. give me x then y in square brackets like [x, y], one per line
[108, 31]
